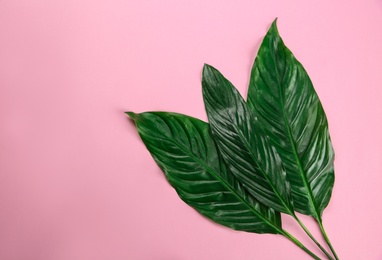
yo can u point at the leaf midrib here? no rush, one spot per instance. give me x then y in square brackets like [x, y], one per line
[225, 184]
[246, 143]
[249, 148]
[291, 140]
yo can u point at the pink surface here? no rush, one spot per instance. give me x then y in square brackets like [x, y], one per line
[76, 181]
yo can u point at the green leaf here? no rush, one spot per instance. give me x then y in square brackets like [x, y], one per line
[183, 148]
[289, 111]
[251, 159]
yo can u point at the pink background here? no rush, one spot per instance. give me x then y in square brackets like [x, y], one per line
[76, 181]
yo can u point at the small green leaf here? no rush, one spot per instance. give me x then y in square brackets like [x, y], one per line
[289, 111]
[183, 148]
[251, 159]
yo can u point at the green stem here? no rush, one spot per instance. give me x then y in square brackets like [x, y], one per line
[327, 238]
[299, 244]
[312, 237]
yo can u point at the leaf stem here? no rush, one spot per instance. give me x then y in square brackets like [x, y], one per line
[299, 244]
[327, 238]
[312, 237]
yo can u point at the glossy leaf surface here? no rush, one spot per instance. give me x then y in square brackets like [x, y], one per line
[251, 159]
[289, 111]
[183, 148]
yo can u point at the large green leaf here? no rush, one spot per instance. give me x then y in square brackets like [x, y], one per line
[183, 148]
[251, 159]
[289, 111]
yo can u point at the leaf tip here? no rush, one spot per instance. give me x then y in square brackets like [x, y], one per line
[274, 25]
[206, 68]
[132, 115]
[208, 71]
[273, 30]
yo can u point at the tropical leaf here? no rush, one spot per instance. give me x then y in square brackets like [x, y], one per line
[289, 111]
[251, 159]
[183, 148]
